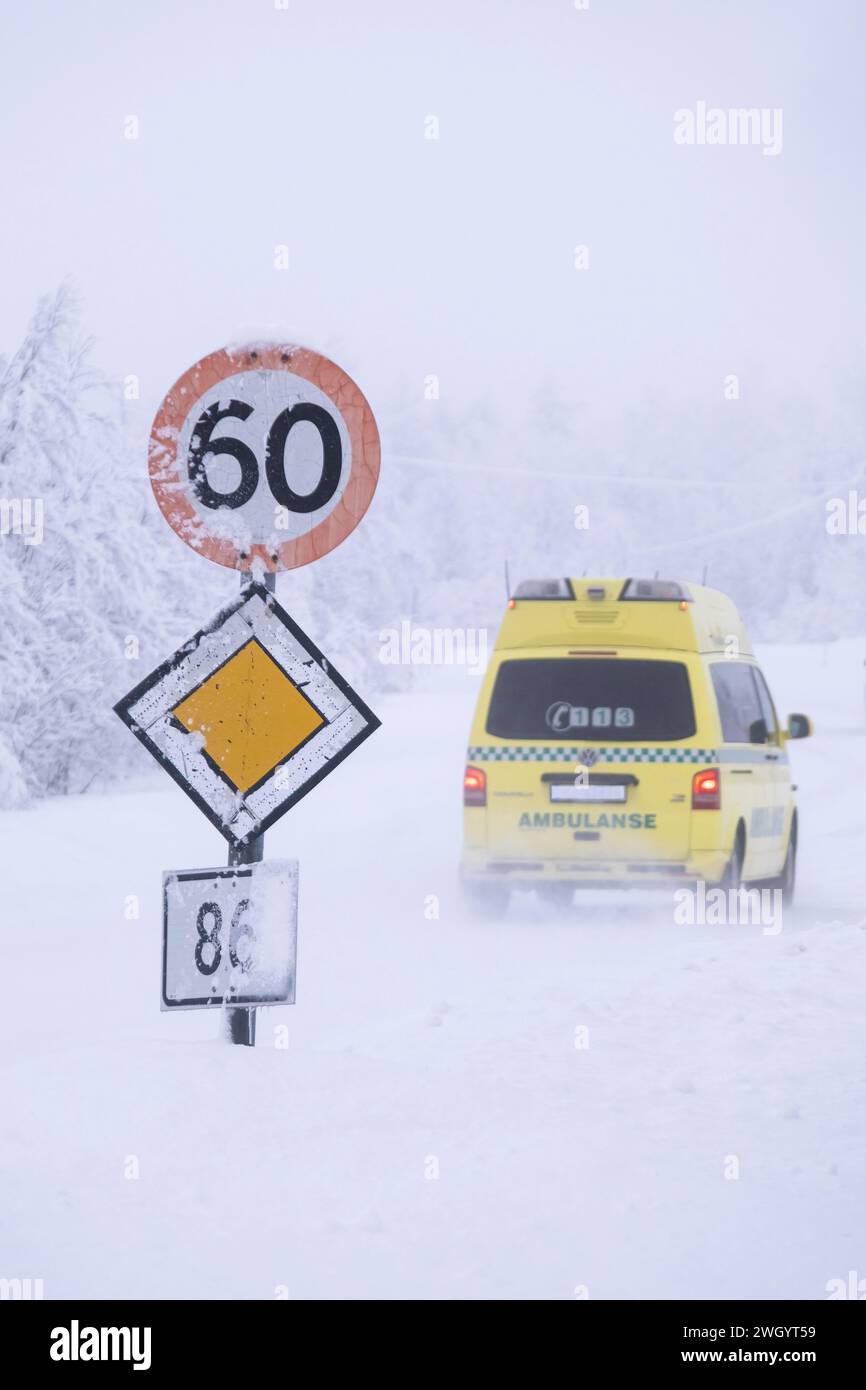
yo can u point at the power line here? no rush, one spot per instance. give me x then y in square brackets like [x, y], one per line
[639, 479]
[743, 526]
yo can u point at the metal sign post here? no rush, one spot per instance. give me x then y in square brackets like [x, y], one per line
[240, 1024]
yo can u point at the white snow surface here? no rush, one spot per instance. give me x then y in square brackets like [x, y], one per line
[420, 1045]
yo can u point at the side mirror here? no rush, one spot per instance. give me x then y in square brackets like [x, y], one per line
[799, 726]
[758, 732]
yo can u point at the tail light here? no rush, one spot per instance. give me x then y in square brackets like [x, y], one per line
[707, 790]
[474, 787]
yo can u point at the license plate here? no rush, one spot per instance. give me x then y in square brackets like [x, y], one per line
[584, 792]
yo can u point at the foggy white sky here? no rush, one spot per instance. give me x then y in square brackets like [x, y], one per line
[305, 126]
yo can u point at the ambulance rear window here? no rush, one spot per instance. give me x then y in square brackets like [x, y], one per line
[590, 699]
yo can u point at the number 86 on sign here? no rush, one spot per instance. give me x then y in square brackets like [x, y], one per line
[230, 936]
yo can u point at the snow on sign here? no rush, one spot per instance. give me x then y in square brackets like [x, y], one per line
[264, 456]
[230, 936]
[247, 716]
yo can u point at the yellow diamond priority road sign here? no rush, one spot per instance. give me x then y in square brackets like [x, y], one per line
[250, 715]
[247, 716]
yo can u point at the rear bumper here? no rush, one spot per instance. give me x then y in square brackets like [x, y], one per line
[481, 867]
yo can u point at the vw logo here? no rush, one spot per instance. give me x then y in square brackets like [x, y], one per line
[587, 756]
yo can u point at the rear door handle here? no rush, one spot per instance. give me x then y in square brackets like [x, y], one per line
[741, 771]
[771, 757]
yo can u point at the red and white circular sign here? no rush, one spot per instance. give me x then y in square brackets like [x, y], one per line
[265, 455]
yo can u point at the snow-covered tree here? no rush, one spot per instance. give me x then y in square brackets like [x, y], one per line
[86, 590]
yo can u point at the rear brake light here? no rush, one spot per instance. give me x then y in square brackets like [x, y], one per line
[474, 787]
[707, 790]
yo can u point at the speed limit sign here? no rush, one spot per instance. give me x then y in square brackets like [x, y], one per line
[265, 455]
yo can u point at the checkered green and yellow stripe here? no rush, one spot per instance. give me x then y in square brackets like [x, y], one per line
[517, 753]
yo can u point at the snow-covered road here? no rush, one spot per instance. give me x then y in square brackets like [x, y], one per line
[432, 1129]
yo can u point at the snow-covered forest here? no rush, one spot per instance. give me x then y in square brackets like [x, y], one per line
[732, 488]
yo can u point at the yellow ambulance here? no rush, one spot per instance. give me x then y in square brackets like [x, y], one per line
[624, 734]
